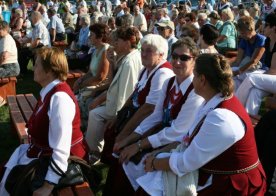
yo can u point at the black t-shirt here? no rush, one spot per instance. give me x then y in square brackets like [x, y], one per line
[268, 53]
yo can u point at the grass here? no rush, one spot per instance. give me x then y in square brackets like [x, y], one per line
[9, 140]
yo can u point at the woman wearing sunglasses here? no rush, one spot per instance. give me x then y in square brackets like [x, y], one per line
[173, 114]
[220, 143]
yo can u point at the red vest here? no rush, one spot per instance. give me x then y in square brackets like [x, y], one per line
[240, 155]
[142, 94]
[38, 127]
[175, 108]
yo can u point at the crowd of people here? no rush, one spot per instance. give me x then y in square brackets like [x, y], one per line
[169, 98]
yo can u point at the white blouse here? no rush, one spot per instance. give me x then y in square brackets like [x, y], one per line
[179, 127]
[157, 82]
[219, 131]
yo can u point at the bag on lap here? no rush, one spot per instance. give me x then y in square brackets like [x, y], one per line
[28, 178]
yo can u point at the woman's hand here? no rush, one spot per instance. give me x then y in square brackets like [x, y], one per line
[128, 152]
[118, 146]
[149, 163]
[45, 190]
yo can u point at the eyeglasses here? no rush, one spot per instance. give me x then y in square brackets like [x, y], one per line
[183, 57]
[187, 20]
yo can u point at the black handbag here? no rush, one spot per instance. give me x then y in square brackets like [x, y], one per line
[123, 116]
[28, 178]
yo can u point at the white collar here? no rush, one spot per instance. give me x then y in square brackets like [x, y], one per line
[184, 85]
[47, 88]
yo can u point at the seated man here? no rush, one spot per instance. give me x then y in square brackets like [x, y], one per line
[39, 38]
[55, 26]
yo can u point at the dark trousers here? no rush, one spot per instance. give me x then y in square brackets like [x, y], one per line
[25, 55]
[117, 182]
[265, 133]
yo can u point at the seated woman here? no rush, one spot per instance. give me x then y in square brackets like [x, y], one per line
[79, 55]
[128, 65]
[98, 73]
[145, 95]
[231, 166]
[17, 26]
[208, 36]
[227, 40]
[8, 53]
[250, 51]
[140, 104]
[68, 20]
[83, 39]
[54, 127]
[256, 86]
[172, 116]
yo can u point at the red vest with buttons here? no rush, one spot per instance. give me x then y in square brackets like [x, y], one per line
[38, 127]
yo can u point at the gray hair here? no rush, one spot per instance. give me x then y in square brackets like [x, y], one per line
[202, 15]
[127, 20]
[228, 12]
[157, 42]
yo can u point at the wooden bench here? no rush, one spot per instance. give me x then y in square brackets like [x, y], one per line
[21, 108]
[73, 75]
[7, 86]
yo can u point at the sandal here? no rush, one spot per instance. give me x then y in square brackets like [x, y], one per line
[94, 157]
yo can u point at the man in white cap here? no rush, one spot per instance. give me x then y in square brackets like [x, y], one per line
[166, 30]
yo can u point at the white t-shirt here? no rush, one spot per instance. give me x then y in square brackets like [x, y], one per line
[7, 43]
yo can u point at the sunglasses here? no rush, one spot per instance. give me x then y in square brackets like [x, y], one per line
[161, 28]
[183, 57]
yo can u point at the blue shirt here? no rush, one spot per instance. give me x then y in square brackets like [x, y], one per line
[83, 37]
[56, 23]
[249, 48]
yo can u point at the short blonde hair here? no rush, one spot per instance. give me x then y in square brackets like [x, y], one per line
[19, 12]
[54, 60]
[228, 12]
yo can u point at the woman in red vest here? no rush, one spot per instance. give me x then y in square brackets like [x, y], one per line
[54, 127]
[220, 144]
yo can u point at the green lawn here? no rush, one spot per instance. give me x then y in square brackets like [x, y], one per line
[9, 140]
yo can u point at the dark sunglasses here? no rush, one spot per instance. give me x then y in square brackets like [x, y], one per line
[182, 57]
